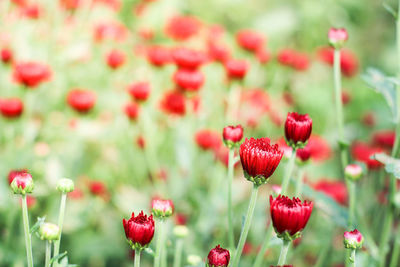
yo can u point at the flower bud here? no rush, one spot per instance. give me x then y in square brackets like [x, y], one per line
[65, 185]
[49, 231]
[218, 257]
[139, 230]
[298, 129]
[162, 208]
[353, 239]
[337, 37]
[232, 135]
[181, 231]
[303, 155]
[22, 184]
[236, 69]
[353, 172]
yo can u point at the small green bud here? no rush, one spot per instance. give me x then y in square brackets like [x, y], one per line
[181, 231]
[65, 185]
[49, 231]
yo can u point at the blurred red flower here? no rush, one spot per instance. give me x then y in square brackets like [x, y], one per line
[296, 60]
[6, 55]
[348, 60]
[31, 74]
[115, 59]
[236, 69]
[188, 80]
[250, 40]
[335, 189]
[208, 139]
[113, 30]
[384, 138]
[363, 152]
[181, 28]
[173, 102]
[158, 55]
[132, 110]
[139, 91]
[81, 100]
[11, 107]
[188, 58]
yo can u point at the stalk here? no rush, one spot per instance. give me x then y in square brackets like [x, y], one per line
[48, 254]
[396, 250]
[352, 201]
[137, 257]
[284, 251]
[60, 225]
[353, 258]
[299, 184]
[178, 253]
[157, 257]
[231, 165]
[233, 102]
[246, 227]
[289, 171]
[264, 247]
[28, 242]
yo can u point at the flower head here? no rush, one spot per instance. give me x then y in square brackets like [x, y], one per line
[115, 59]
[289, 216]
[139, 230]
[65, 185]
[353, 239]
[363, 152]
[162, 208]
[218, 257]
[13, 173]
[31, 74]
[303, 154]
[353, 172]
[158, 56]
[259, 159]
[81, 100]
[181, 28]
[208, 139]
[49, 231]
[6, 55]
[11, 107]
[189, 80]
[132, 110]
[297, 129]
[173, 102]
[22, 183]
[232, 135]
[236, 69]
[334, 189]
[188, 58]
[139, 91]
[337, 37]
[250, 40]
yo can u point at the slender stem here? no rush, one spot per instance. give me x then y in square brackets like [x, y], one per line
[61, 214]
[289, 171]
[353, 258]
[160, 234]
[396, 250]
[137, 257]
[352, 201]
[28, 242]
[339, 106]
[48, 254]
[264, 247]
[384, 242]
[231, 165]
[246, 227]
[178, 253]
[299, 184]
[284, 251]
[233, 102]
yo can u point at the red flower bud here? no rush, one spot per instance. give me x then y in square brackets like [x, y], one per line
[81, 100]
[139, 230]
[188, 58]
[303, 154]
[337, 37]
[115, 59]
[232, 135]
[353, 239]
[189, 80]
[162, 208]
[6, 55]
[173, 102]
[31, 74]
[139, 91]
[236, 69]
[158, 56]
[13, 173]
[249, 40]
[218, 257]
[182, 28]
[289, 216]
[208, 139]
[11, 107]
[131, 110]
[298, 129]
[259, 159]
[22, 183]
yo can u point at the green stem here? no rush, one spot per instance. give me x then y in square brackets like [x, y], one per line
[160, 234]
[289, 171]
[352, 202]
[231, 166]
[339, 106]
[264, 247]
[353, 258]
[61, 214]
[137, 257]
[384, 242]
[233, 102]
[396, 250]
[28, 242]
[299, 184]
[246, 227]
[48, 254]
[284, 251]
[178, 253]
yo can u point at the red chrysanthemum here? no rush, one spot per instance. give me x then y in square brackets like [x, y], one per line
[139, 91]
[173, 102]
[188, 80]
[31, 74]
[218, 257]
[298, 129]
[11, 107]
[81, 100]
[250, 40]
[208, 139]
[139, 230]
[115, 59]
[181, 28]
[188, 58]
[335, 189]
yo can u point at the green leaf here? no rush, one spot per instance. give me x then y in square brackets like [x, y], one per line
[390, 10]
[392, 165]
[36, 226]
[59, 257]
[149, 251]
[385, 86]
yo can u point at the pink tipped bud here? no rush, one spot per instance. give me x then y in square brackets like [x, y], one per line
[22, 184]
[218, 257]
[232, 135]
[353, 172]
[337, 37]
[162, 208]
[353, 239]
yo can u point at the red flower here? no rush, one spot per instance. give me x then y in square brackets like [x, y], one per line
[236, 69]
[162, 208]
[31, 74]
[139, 91]
[335, 189]
[346, 97]
[31, 11]
[294, 59]
[249, 40]
[173, 102]
[353, 239]
[189, 80]
[298, 128]
[218, 52]
[218, 257]
[384, 138]
[13, 173]
[141, 142]
[289, 216]
[263, 56]
[6, 55]
[110, 31]
[139, 230]
[303, 154]
[348, 61]
[22, 183]
[131, 110]
[208, 139]
[158, 55]
[363, 152]
[115, 59]
[11, 107]
[81, 100]
[181, 219]
[233, 134]
[70, 4]
[188, 58]
[181, 28]
[337, 37]
[259, 159]
[300, 62]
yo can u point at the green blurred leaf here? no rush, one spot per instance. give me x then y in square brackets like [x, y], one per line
[58, 257]
[392, 165]
[384, 85]
[36, 226]
[390, 10]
